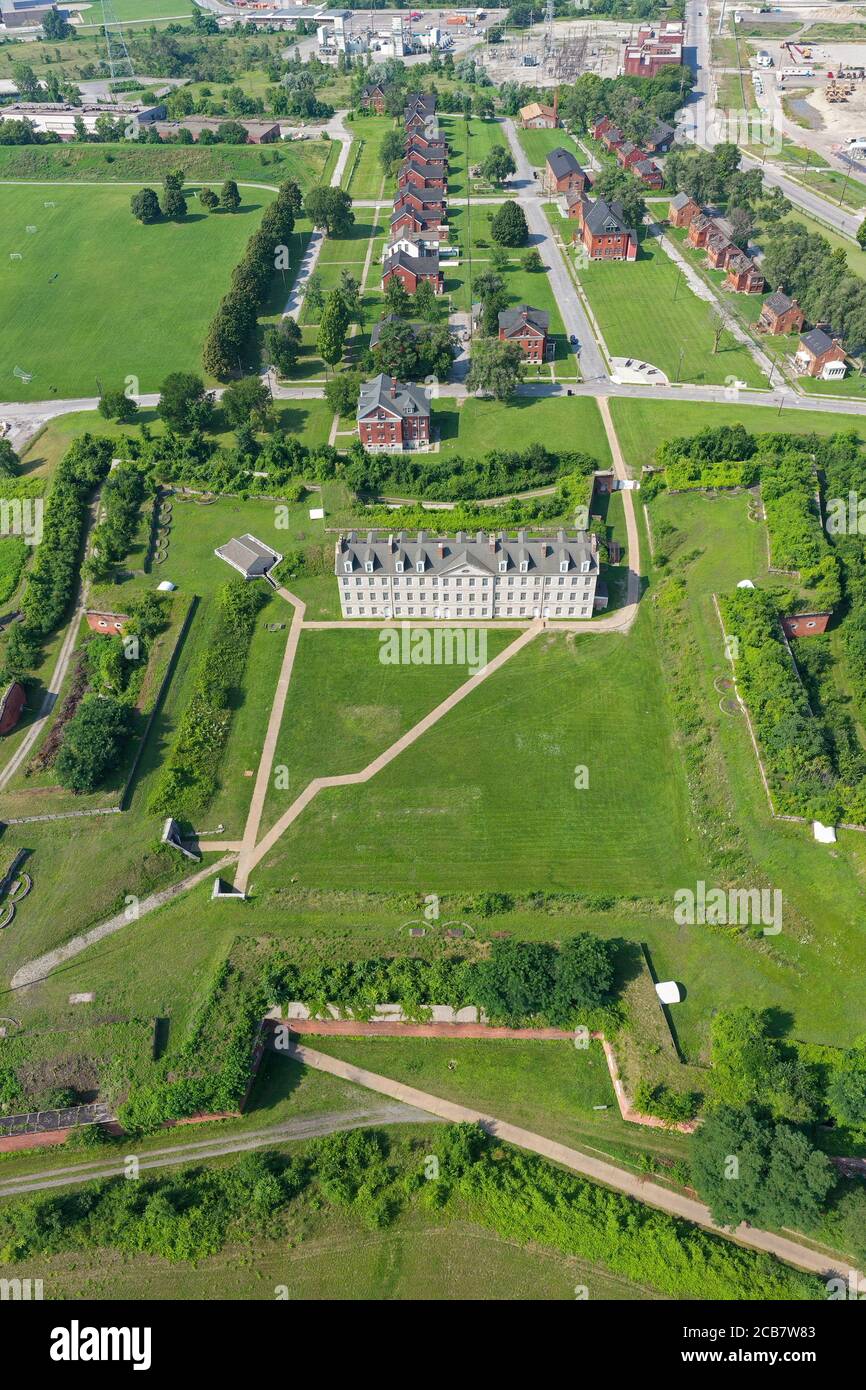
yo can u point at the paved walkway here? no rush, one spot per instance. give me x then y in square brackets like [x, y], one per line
[269, 747]
[43, 965]
[675, 1203]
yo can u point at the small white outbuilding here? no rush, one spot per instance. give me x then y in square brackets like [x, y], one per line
[668, 991]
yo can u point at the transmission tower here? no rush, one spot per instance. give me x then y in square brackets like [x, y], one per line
[117, 53]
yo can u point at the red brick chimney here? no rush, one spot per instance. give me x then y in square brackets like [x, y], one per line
[393, 388]
[556, 106]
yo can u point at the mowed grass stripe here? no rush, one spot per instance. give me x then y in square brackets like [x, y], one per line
[98, 298]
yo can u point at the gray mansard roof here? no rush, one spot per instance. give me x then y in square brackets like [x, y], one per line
[562, 162]
[482, 554]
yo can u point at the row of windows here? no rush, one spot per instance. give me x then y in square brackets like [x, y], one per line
[521, 611]
[549, 580]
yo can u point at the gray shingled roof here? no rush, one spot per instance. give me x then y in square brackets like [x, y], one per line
[607, 217]
[647, 166]
[483, 553]
[817, 341]
[561, 162]
[246, 554]
[401, 398]
[779, 302]
[511, 320]
[419, 265]
[428, 168]
[680, 200]
[660, 134]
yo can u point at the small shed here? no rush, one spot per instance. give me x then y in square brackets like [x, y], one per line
[249, 556]
[668, 991]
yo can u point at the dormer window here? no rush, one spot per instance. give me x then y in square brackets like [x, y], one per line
[420, 567]
[369, 566]
[399, 566]
[563, 568]
[347, 566]
[503, 566]
[585, 567]
[524, 566]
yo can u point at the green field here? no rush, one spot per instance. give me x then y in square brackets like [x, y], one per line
[537, 144]
[646, 310]
[96, 297]
[471, 426]
[440, 813]
[364, 177]
[127, 10]
[130, 161]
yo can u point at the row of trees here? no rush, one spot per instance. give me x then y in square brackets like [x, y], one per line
[236, 317]
[148, 207]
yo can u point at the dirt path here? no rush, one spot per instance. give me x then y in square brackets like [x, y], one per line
[308, 1127]
[677, 1204]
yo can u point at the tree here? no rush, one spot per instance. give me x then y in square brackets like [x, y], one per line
[495, 368]
[332, 329]
[92, 743]
[517, 981]
[184, 403]
[314, 297]
[618, 185]
[230, 198]
[290, 191]
[172, 203]
[846, 1092]
[116, 405]
[498, 165]
[350, 293]
[56, 26]
[532, 260]
[396, 352]
[426, 302]
[748, 1168]
[508, 225]
[740, 219]
[342, 392]
[583, 977]
[331, 209]
[246, 400]
[861, 234]
[283, 344]
[397, 299]
[145, 205]
[9, 463]
[390, 150]
[208, 199]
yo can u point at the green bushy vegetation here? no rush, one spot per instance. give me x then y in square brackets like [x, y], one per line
[190, 775]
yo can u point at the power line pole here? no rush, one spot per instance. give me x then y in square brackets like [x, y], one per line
[117, 53]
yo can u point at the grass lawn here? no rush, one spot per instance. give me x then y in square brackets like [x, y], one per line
[473, 426]
[71, 312]
[537, 145]
[639, 317]
[440, 815]
[130, 161]
[548, 1087]
[367, 706]
[643, 425]
[137, 9]
[364, 177]
[469, 142]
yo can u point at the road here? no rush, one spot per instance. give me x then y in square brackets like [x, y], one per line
[705, 126]
[309, 1127]
[675, 1203]
[571, 310]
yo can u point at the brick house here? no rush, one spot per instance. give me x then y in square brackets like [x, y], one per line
[392, 414]
[407, 222]
[605, 234]
[428, 203]
[779, 314]
[612, 137]
[683, 210]
[373, 98]
[628, 154]
[420, 148]
[719, 249]
[562, 172]
[805, 624]
[412, 271]
[701, 229]
[743, 275]
[820, 355]
[12, 702]
[660, 138]
[649, 173]
[572, 204]
[422, 174]
[601, 126]
[529, 328]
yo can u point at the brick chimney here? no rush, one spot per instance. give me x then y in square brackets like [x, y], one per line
[393, 388]
[556, 106]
